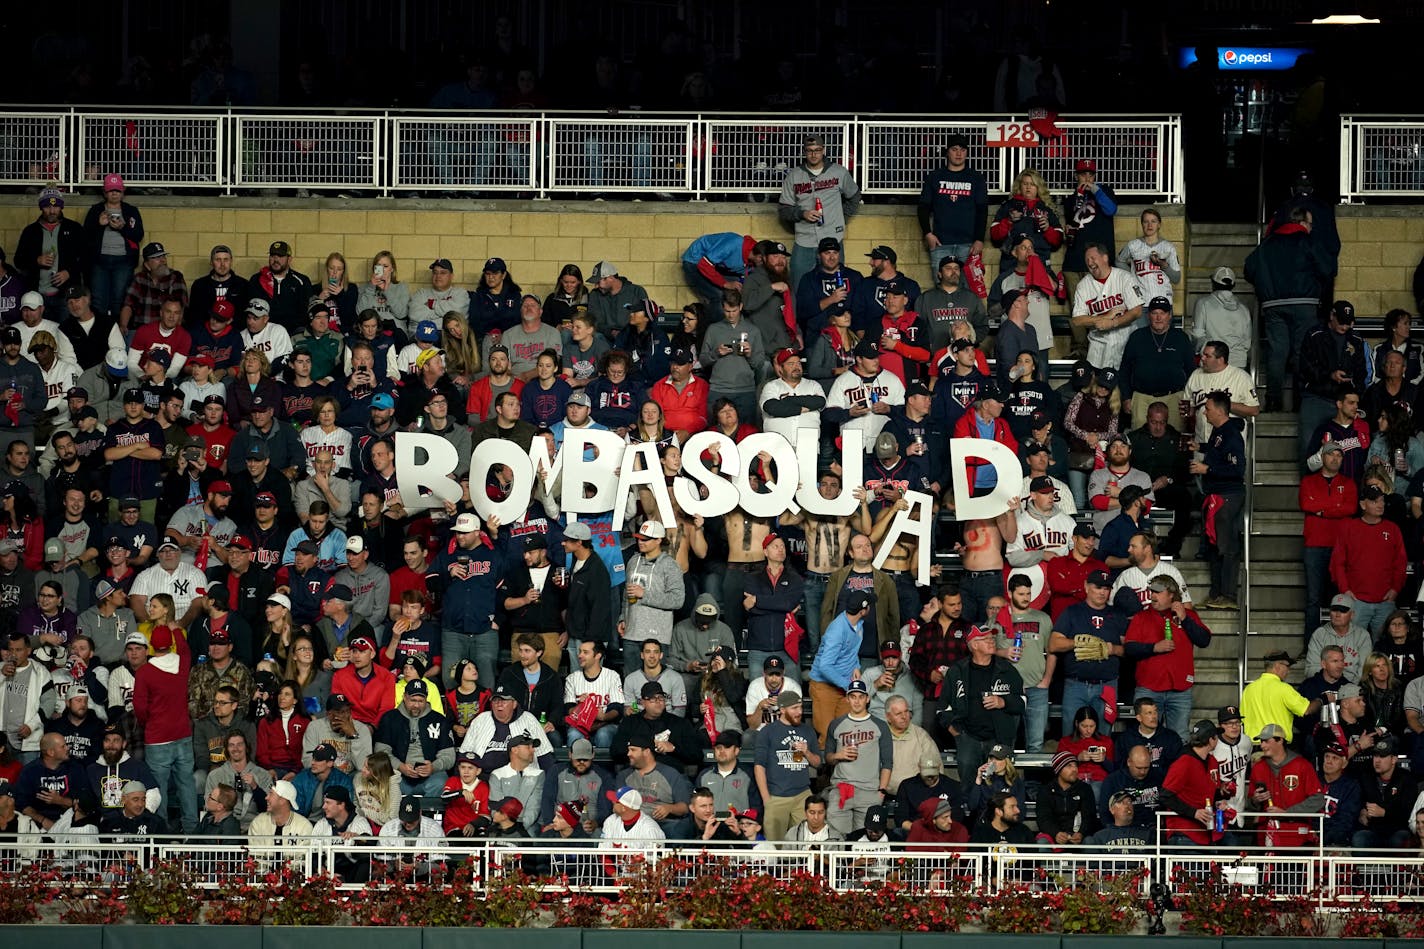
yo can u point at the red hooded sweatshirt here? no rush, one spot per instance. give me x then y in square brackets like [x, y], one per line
[160, 699]
[910, 358]
[924, 831]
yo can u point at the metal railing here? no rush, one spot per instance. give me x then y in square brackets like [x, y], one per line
[1381, 156]
[739, 155]
[1327, 876]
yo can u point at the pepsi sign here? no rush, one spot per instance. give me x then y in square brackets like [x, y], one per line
[1248, 58]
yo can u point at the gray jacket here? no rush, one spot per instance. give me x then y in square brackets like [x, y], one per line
[526, 785]
[734, 372]
[1221, 316]
[840, 198]
[763, 309]
[608, 313]
[664, 592]
[373, 593]
[108, 632]
[396, 308]
[305, 491]
[691, 644]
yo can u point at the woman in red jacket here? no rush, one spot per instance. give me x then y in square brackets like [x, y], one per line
[1093, 751]
[279, 735]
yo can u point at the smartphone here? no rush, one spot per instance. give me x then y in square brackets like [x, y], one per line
[379, 270]
[723, 815]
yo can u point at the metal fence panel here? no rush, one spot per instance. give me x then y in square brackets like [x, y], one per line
[1132, 155]
[308, 151]
[897, 156]
[1383, 158]
[751, 156]
[34, 148]
[152, 149]
[461, 154]
[642, 155]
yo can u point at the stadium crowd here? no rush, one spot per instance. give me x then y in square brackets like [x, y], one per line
[220, 618]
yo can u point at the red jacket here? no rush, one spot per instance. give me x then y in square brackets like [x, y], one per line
[967, 427]
[910, 358]
[1089, 770]
[458, 811]
[1368, 560]
[280, 749]
[1173, 671]
[371, 698]
[1325, 504]
[160, 699]
[684, 411]
[1294, 783]
[1065, 578]
[1195, 783]
[479, 406]
[929, 837]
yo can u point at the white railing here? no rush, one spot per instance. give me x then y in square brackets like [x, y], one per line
[737, 155]
[1327, 876]
[1381, 157]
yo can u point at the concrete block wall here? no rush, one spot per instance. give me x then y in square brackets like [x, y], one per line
[645, 240]
[1380, 248]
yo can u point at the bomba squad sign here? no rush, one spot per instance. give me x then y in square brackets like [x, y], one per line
[593, 472]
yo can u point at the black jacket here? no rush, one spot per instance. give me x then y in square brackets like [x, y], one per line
[1058, 808]
[89, 347]
[547, 696]
[590, 612]
[766, 623]
[686, 739]
[544, 615]
[205, 292]
[96, 223]
[72, 256]
[1323, 353]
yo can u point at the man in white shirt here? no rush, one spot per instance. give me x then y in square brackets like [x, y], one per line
[1044, 531]
[593, 679]
[861, 399]
[1216, 374]
[1108, 302]
[184, 582]
[271, 338]
[791, 402]
[32, 321]
[441, 296]
[1129, 591]
[628, 826]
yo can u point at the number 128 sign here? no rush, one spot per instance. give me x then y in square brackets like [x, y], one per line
[1010, 135]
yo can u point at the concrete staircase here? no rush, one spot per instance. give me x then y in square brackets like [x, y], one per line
[1219, 245]
[1277, 545]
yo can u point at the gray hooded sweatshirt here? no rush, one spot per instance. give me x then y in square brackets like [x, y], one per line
[1220, 316]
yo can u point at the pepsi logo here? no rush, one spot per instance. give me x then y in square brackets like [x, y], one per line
[1229, 57]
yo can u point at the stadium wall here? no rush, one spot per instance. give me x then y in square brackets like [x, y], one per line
[644, 239]
[348, 937]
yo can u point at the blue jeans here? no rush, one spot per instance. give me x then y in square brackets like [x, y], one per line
[1078, 484]
[1371, 616]
[480, 648]
[815, 594]
[1077, 694]
[755, 658]
[977, 587]
[110, 281]
[940, 253]
[803, 261]
[602, 736]
[704, 288]
[428, 788]
[1176, 708]
[1313, 410]
[1367, 839]
[1035, 718]
[1318, 587]
[1286, 328]
[172, 763]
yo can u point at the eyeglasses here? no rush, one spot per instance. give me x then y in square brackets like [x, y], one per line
[223, 702]
[48, 595]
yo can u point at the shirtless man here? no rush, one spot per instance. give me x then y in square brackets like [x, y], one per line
[982, 553]
[827, 540]
[902, 561]
[745, 555]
